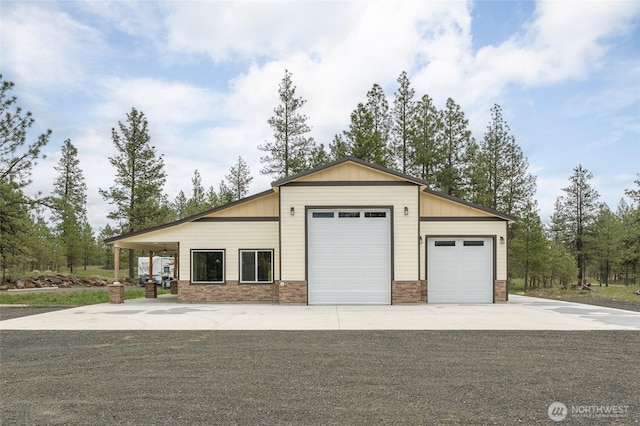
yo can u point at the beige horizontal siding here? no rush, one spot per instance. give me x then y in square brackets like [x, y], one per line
[434, 206]
[464, 228]
[266, 206]
[229, 236]
[293, 232]
[349, 172]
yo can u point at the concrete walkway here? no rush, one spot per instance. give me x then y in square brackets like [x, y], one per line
[165, 313]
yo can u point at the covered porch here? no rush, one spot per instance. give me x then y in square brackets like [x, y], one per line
[151, 248]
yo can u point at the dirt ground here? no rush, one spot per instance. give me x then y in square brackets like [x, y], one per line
[320, 377]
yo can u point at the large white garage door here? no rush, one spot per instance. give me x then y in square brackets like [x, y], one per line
[349, 256]
[460, 270]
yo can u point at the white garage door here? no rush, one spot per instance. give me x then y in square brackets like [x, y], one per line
[349, 256]
[460, 270]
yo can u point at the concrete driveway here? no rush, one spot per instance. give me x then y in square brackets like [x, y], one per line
[164, 313]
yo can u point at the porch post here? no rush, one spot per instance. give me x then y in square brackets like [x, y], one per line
[116, 264]
[174, 282]
[150, 290]
[175, 265]
[116, 290]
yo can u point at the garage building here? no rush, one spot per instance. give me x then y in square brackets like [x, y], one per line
[348, 232]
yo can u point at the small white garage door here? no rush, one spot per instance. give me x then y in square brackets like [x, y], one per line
[349, 256]
[460, 270]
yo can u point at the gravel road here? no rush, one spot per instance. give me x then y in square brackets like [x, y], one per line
[344, 377]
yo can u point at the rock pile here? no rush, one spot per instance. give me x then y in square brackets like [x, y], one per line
[61, 281]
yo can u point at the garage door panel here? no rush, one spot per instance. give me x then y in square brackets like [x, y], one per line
[348, 258]
[460, 270]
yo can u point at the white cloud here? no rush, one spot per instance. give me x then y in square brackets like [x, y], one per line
[47, 49]
[335, 50]
[230, 31]
[169, 103]
[137, 18]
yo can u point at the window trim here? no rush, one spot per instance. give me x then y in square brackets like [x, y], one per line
[256, 251]
[224, 266]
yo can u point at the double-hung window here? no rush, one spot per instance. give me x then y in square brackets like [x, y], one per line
[256, 266]
[207, 266]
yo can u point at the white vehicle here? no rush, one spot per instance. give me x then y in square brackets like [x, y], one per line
[162, 270]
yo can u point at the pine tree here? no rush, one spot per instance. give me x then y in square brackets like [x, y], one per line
[360, 138]
[70, 200]
[225, 194]
[290, 150]
[339, 148]
[106, 251]
[368, 132]
[213, 200]
[378, 109]
[179, 205]
[89, 247]
[197, 203]
[17, 158]
[238, 180]
[605, 242]
[403, 124]
[558, 229]
[425, 141]
[455, 137]
[579, 208]
[319, 156]
[44, 247]
[562, 265]
[505, 183]
[631, 238]
[140, 177]
[528, 247]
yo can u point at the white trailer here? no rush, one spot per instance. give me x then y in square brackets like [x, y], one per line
[162, 270]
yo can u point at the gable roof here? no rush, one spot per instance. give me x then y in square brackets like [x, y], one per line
[307, 173]
[394, 173]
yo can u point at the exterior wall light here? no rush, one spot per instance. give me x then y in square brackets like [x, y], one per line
[406, 211]
[501, 240]
[292, 212]
[420, 239]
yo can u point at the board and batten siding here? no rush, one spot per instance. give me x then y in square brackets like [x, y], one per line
[405, 228]
[496, 228]
[224, 235]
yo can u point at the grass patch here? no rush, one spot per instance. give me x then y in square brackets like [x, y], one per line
[65, 298]
[613, 292]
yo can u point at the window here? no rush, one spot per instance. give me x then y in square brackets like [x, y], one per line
[256, 266]
[445, 243]
[375, 214]
[473, 243]
[322, 214]
[349, 214]
[207, 266]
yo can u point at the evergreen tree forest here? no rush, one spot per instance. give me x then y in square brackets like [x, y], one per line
[584, 240]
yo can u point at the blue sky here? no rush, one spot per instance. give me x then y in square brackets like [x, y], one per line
[566, 73]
